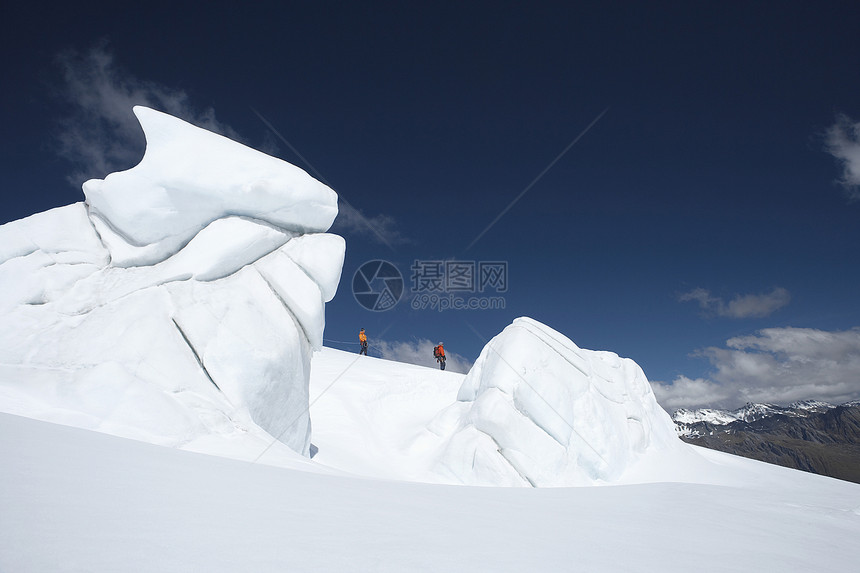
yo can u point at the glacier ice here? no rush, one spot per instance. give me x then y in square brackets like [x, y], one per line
[190, 177]
[537, 410]
[182, 299]
[180, 304]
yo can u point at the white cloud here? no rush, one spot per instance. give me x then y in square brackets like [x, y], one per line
[381, 228]
[777, 365]
[101, 135]
[741, 306]
[688, 393]
[842, 140]
[420, 352]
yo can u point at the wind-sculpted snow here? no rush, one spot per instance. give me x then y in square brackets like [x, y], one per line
[181, 301]
[188, 178]
[537, 410]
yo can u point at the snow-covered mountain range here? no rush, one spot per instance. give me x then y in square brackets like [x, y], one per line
[810, 435]
[751, 412]
[179, 311]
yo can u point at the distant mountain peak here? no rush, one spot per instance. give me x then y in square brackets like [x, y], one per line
[752, 411]
[810, 435]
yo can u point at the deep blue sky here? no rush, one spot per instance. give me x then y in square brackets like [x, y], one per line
[709, 170]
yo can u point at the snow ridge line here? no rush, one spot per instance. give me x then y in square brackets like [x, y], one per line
[551, 407]
[286, 306]
[93, 213]
[550, 341]
[194, 352]
[288, 232]
[98, 235]
[501, 450]
[24, 256]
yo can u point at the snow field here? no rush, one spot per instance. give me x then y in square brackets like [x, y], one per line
[74, 500]
[181, 306]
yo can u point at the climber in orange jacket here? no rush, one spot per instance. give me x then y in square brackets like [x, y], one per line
[439, 355]
[362, 339]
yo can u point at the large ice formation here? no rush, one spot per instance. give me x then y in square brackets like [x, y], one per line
[537, 410]
[181, 300]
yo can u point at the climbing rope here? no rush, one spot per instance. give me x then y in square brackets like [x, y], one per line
[371, 350]
[340, 342]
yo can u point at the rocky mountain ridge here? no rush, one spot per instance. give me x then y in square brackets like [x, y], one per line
[810, 435]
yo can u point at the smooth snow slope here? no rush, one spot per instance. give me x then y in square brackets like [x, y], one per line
[384, 419]
[76, 500]
[371, 416]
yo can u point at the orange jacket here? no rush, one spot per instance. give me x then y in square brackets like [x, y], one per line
[362, 337]
[439, 352]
